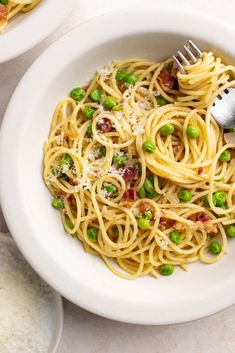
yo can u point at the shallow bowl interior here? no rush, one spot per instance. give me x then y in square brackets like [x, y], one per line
[36, 226]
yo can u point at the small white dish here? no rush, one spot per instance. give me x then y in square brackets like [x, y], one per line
[26, 202]
[26, 30]
[31, 312]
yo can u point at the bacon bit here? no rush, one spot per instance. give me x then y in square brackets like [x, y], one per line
[174, 71]
[166, 79]
[60, 193]
[233, 153]
[200, 171]
[142, 207]
[202, 217]
[105, 125]
[129, 173]
[72, 200]
[208, 226]
[167, 222]
[130, 194]
[95, 221]
[3, 12]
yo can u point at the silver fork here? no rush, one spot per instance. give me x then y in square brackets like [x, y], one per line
[223, 109]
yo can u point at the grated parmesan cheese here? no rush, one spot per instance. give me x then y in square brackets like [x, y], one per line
[164, 244]
[27, 304]
[106, 70]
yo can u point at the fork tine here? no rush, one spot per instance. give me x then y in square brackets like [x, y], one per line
[179, 65]
[195, 48]
[190, 54]
[183, 59]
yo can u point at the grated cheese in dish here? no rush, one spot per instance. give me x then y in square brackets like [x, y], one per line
[27, 305]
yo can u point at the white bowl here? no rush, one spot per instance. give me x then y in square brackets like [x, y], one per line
[26, 202]
[26, 30]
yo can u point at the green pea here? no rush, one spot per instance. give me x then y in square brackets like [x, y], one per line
[70, 225]
[102, 152]
[120, 75]
[78, 93]
[65, 177]
[110, 189]
[175, 237]
[219, 198]
[115, 232]
[58, 203]
[166, 270]
[131, 79]
[149, 184]
[4, 2]
[92, 234]
[149, 146]
[167, 67]
[167, 129]
[95, 95]
[206, 201]
[161, 101]
[89, 112]
[117, 108]
[143, 223]
[151, 195]
[68, 222]
[109, 103]
[142, 193]
[230, 230]
[66, 162]
[58, 174]
[215, 247]
[225, 156]
[89, 131]
[192, 131]
[208, 237]
[232, 129]
[148, 215]
[120, 158]
[185, 195]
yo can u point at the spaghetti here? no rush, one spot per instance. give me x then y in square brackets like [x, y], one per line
[10, 8]
[139, 168]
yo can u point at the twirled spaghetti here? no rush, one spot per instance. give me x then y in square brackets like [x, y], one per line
[10, 8]
[139, 168]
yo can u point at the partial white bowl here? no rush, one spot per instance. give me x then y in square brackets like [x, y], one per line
[26, 30]
[26, 202]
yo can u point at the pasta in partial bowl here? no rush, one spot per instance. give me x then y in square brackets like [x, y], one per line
[10, 9]
[140, 172]
[24, 23]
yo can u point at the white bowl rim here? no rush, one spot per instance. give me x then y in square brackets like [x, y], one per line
[33, 29]
[124, 310]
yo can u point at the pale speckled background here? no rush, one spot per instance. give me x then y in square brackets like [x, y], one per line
[88, 333]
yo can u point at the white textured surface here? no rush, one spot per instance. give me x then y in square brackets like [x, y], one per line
[85, 332]
[29, 309]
